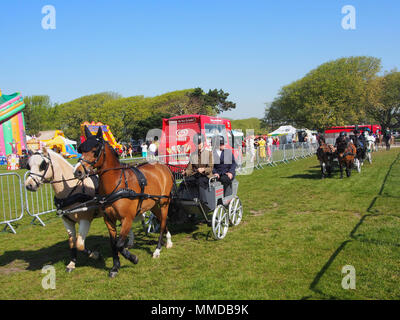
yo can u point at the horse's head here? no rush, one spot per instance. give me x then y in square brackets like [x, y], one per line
[93, 154]
[41, 170]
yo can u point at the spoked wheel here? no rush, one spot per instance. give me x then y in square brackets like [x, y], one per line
[235, 211]
[150, 223]
[220, 222]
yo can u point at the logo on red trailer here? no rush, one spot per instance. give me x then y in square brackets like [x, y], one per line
[182, 132]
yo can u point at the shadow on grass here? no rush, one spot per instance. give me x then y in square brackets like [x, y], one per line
[312, 174]
[326, 266]
[58, 252]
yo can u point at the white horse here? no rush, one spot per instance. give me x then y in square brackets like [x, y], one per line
[48, 166]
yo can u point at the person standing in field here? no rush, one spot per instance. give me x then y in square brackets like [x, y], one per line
[144, 149]
[269, 148]
[152, 150]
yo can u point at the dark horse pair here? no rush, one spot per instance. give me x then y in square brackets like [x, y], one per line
[345, 152]
[126, 192]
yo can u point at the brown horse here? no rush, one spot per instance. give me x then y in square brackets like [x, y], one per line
[128, 193]
[325, 155]
[346, 152]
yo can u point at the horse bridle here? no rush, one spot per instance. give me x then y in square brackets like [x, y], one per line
[46, 168]
[99, 151]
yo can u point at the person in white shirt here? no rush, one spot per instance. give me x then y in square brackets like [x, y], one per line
[269, 147]
[144, 149]
[152, 151]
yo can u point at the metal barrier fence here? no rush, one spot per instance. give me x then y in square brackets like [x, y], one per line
[271, 155]
[12, 201]
[39, 202]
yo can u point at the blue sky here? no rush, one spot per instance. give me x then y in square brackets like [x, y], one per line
[148, 47]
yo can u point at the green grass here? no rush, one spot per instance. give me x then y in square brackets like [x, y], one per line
[297, 233]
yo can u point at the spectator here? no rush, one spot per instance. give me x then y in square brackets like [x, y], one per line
[269, 148]
[387, 137]
[144, 149]
[261, 148]
[152, 150]
[250, 148]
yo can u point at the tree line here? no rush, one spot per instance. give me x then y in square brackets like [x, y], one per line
[345, 91]
[129, 118]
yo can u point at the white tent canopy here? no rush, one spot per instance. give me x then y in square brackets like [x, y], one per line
[283, 130]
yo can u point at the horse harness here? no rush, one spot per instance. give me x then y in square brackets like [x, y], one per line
[126, 192]
[104, 200]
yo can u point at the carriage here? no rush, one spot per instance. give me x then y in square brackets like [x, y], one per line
[219, 208]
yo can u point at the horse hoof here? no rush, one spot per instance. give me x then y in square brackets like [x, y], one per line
[169, 245]
[156, 254]
[112, 274]
[69, 270]
[135, 260]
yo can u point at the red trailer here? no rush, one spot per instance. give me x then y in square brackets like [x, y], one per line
[177, 136]
[332, 133]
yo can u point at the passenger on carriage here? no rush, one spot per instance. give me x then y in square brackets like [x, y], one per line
[359, 140]
[199, 169]
[224, 164]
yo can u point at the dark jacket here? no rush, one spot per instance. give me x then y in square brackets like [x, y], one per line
[225, 163]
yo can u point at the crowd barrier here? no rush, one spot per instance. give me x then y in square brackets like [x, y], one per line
[260, 157]
[15, 199]
[12, 201]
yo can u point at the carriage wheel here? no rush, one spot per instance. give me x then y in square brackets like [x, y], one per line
[150, 223]
[235, 211]
[220, 222]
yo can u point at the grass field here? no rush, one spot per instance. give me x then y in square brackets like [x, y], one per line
[297, 233]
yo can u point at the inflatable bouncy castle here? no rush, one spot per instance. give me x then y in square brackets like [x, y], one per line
[12, 124]
[107, 134]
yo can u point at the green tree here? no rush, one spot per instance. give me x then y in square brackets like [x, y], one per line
[383, 97]
[37, 114]
[71, 115]
[332, 94]
[211, 103]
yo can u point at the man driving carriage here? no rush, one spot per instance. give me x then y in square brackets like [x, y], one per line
[224, 163]
[200, 166]
[342, 137]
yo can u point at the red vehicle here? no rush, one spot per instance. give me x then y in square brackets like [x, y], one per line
[332, 133]
[177, 136]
